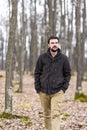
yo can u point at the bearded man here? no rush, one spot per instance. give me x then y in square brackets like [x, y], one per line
[52, 76]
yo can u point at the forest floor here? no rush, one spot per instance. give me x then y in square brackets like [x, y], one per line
[27, 104]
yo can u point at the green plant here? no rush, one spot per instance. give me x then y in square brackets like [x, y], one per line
[17, 91]
[81, 97]
[25, 119]
[64, 116]
[1, 76]
[1, 126]
[26, 106]
[85, 79]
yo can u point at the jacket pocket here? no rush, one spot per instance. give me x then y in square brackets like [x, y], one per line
[56, 83]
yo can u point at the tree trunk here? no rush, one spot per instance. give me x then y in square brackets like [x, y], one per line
[70, 37]
[8, 87]
[1, 51]
[44, 30]
[52, 7]
[63, 27]
[22, 49]
[78, 44]
[83, 38]
[33, 41]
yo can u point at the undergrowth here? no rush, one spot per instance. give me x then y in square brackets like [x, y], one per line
[81, 97]
[1, 76]
[25, 119]
[65, 116]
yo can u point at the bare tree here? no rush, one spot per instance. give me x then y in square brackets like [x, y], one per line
[52, 7]
[44, 30]
[83, 37]
[9, 56]
[78, 49]
[63, 26]
[22, 47]
[33, 41]
[70, 35]
[1, 51]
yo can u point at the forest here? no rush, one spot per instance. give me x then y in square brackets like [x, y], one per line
[24, 33]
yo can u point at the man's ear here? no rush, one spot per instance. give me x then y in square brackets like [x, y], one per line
[48, 45]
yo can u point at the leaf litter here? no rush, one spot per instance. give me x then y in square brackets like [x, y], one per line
[27, 104]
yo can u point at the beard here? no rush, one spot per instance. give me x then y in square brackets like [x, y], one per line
[54, 50]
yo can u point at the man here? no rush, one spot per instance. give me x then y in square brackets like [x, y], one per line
[52, 76]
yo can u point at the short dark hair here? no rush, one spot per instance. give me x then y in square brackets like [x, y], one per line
[52, 37]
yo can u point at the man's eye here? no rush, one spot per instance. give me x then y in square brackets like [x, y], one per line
[54, 42]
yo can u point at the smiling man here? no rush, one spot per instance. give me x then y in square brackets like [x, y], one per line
[52, 76]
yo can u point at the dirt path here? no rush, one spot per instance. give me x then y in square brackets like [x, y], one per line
[74, 116]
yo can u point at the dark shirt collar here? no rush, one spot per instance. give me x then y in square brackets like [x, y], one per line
[58, 53]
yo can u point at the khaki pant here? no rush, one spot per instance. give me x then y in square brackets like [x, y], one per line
[51, 107]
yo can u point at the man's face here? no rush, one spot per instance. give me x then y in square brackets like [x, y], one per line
[53, 45]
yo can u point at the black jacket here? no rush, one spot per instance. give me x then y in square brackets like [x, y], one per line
[52, 74]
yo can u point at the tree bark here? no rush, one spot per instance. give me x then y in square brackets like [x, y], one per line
[83, 36]
[78, 45]
[22, 49]
[33, 41]
[8, 82]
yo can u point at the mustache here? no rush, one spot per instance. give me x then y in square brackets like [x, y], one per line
[54, 46]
